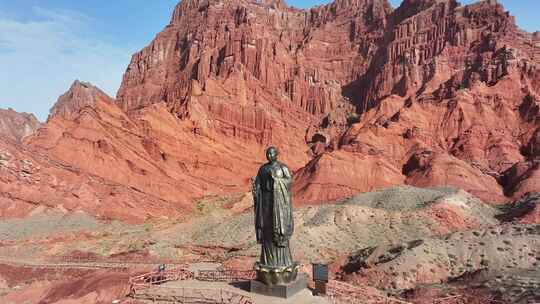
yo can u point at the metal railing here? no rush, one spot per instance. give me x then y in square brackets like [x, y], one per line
[463, 299]
[225, 275]
[193, 296]
[151, 279]
[344, 293]
[148, 287]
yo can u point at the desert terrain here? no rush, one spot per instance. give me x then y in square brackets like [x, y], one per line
[413, 134]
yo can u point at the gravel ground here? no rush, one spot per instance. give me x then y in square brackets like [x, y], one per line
[321, 232]
[46, 224]
[329, 230]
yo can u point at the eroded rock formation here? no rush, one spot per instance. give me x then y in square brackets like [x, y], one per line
[79, 95]
[451, 99]
[16, 126]
[356, 95]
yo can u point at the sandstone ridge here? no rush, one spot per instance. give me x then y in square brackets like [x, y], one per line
[358, 97]
[79, 95]
[16, 126]
[373, 87]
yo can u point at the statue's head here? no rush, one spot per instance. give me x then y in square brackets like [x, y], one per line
[272, 154]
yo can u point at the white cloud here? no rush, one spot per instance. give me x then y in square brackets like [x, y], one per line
[39, 59]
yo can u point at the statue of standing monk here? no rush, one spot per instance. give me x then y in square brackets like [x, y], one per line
[274, 223]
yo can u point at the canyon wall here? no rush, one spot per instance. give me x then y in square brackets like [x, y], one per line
[356, 95]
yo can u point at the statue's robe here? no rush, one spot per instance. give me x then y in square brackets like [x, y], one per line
[274, 223]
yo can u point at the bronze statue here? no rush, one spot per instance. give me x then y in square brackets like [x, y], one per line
[274, 224]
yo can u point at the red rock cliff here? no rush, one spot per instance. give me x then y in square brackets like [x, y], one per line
[451, 98]
[357, 96]
[16, 126]
[79, 95]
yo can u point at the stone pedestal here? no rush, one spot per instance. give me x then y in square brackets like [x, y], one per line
[281, 290]
[320, 288]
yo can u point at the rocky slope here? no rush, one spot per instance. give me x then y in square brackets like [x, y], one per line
[90, 156]
[357, 96]
[327, 231]
[149, 151]
[324, 232]
[496, 256]
[525, 210]
[16, 126]
[434, 100]
[32, 182]
[439, 99]
[79, 95]
[374, 238]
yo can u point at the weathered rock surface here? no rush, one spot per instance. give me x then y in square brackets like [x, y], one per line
[79, 95]
[333, 176]
[216, 231]
[328, 231]
[150, 152]
[496, 251]
[42, 285]
[356, 95]
[385, 220]
[16, 126]
[525, 210]
[32, 182]
[451, 99]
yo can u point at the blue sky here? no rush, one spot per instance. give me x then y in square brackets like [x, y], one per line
[46, 44]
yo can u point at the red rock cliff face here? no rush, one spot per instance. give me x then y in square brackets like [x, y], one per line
[430, 42]
[33, 182]
[15, 126]
[357, 96]
[450, 99]
[79, 95]
[150, 152]
[253, 70]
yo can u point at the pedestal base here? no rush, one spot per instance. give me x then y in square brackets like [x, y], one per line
[320, 288]
[270, 275]
[280, 291]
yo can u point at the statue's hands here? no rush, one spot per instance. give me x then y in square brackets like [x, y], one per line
[276, 177]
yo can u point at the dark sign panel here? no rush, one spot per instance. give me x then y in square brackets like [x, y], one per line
[320, 272]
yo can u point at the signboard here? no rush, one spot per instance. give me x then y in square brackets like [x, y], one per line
[320, 272]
